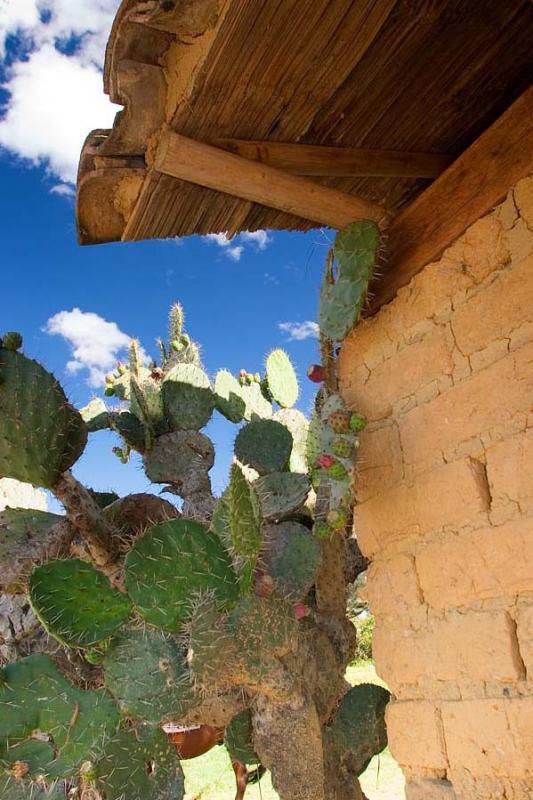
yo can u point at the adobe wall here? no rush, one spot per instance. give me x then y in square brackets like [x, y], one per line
[444, 373]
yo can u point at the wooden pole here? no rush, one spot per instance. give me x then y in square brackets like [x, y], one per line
[205, 165]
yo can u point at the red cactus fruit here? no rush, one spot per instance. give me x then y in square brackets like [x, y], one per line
[325, 461]
[316, 373]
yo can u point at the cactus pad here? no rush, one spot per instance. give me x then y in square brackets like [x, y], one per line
[11, 341]
[26, 536]
[75, 602]
[138, 764]
[146, 672]
[244, 523]
[228, 396]
[263, 627]
[264, 445]
[359, 725]
[170, 562]
[41, 434]
[256, 403]
[36, 697]
[293, 559]
[342, 299]
[182, 458]
[187, 397]
[238, 738]
[131, 429]
[281, 379]
[95, 415]
[298, 426]
[281, 493]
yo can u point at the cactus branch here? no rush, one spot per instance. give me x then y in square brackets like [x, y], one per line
[85, 515]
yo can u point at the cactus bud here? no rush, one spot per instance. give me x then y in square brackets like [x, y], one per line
[339, 421]
[242, 373]
[357, 423]
[343, 448]
[301, 611]
[185, 339]
[257, 377]
[110, 378]
[337, 472]
[316, 373]
[121, 368]
[109, 391]
[176, 345]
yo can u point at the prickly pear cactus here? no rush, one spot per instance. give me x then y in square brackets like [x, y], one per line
[228, 611]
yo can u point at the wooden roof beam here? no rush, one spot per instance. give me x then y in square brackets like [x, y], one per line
[214, 168]
[338, 162]
[474, 184]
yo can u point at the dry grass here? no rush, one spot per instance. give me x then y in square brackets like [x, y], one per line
[210, 777]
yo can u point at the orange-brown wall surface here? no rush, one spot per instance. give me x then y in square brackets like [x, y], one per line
[444, 486]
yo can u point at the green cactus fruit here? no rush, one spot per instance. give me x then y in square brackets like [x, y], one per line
[293, 559]
[244, 522]
[95, 415]
[256, 404]
[298, 425]
[358, 731]
[322, 530]
[339, 421]
[12, 788]
[147, 673]
[281, 493]
[281, 378]
[131, 429]
[41, 434]
[139, 764]
[11, 341]
[264, 445]
[172, 561]
[357, 423]
[26, 537]
[342, 298]
[238, 738]
[187, 397]
[228, 396]
[76, 603]
[337, 472]
[343, 448]
[36, 697]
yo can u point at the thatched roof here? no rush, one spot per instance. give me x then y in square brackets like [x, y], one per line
[408, 76]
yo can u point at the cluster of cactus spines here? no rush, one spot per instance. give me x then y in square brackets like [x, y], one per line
[220, 606]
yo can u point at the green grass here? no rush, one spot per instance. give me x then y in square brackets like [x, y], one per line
[210, 777]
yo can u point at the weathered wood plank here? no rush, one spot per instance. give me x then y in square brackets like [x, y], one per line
[341, 162]
[204, 165]
[476, 182]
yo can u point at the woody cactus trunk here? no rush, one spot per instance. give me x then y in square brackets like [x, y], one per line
[229, 612]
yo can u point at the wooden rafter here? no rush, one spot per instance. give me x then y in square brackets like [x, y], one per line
[214, 168]
[339, 162]
[476, 182]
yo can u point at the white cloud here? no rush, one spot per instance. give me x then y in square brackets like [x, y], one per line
[55, 99]
[63, 189]
[95, 342]
[221, 239]
[298, 331]
[260, 238]
[234, 251]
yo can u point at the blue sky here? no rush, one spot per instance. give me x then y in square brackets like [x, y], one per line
[236, 295]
